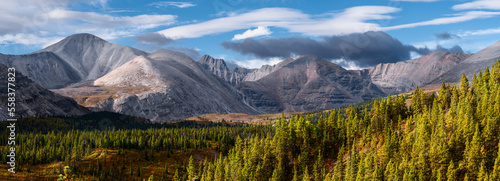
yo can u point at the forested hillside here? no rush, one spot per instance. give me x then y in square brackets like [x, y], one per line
[451, 135]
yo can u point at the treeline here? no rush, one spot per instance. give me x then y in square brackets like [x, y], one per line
[72, 146]
[451, 135]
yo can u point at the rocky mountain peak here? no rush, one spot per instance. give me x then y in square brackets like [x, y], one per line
[81, 40]
[214, 65]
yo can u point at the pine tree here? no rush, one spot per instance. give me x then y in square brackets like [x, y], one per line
[496, 167]
[131, 173]
[464, 86]
[306, 176]
[191, 170]
[176, 176]
[138, 170]
[452, 172]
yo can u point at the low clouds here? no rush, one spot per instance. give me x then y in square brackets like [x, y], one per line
[260, 31]
[360, 49]
[445, 36]
[454, 49]
[153, 38]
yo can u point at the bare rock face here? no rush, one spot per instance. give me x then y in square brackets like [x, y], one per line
[265, 70]
[471, 65]
[220, 69]
[237, 74]
[394, 78]
[32, 100]
[166, 85]
[307, 83]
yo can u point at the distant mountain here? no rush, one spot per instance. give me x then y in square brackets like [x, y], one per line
[32, 100]
[165, 85]
[394, 78]
[77, 58]
[237, 74]
[307, 83]
[221, 70]
[471, 65]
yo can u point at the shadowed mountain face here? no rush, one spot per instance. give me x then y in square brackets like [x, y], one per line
[32, 100]
[166, 85]
[394, 78]
[471, 65]
[305, 84]
[45, 68]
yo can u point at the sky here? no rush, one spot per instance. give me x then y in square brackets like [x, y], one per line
[251, 33]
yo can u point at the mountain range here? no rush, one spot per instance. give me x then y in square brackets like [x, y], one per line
[168, 85]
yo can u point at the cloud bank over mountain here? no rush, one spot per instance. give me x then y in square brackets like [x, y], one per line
[362, 49]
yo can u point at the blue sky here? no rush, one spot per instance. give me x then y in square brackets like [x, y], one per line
[242, 31]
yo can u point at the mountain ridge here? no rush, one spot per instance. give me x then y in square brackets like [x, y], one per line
[32, 100]
[394, 78]
[485, 57]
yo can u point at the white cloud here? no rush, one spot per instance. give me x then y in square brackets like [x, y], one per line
[479, 4]
[257, 63]
[350, 20]
[259, 31]
[172, 3]
[480, 32]
[108, 21]
[457, 18]
[348, 65]
[26, 39]
[30, 20]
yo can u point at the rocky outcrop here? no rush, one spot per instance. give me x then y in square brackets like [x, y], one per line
[307, 83]
[471, 65]
[220, 69]
[394, 78]
[237, 74]
[265, 70]
[32, 100]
